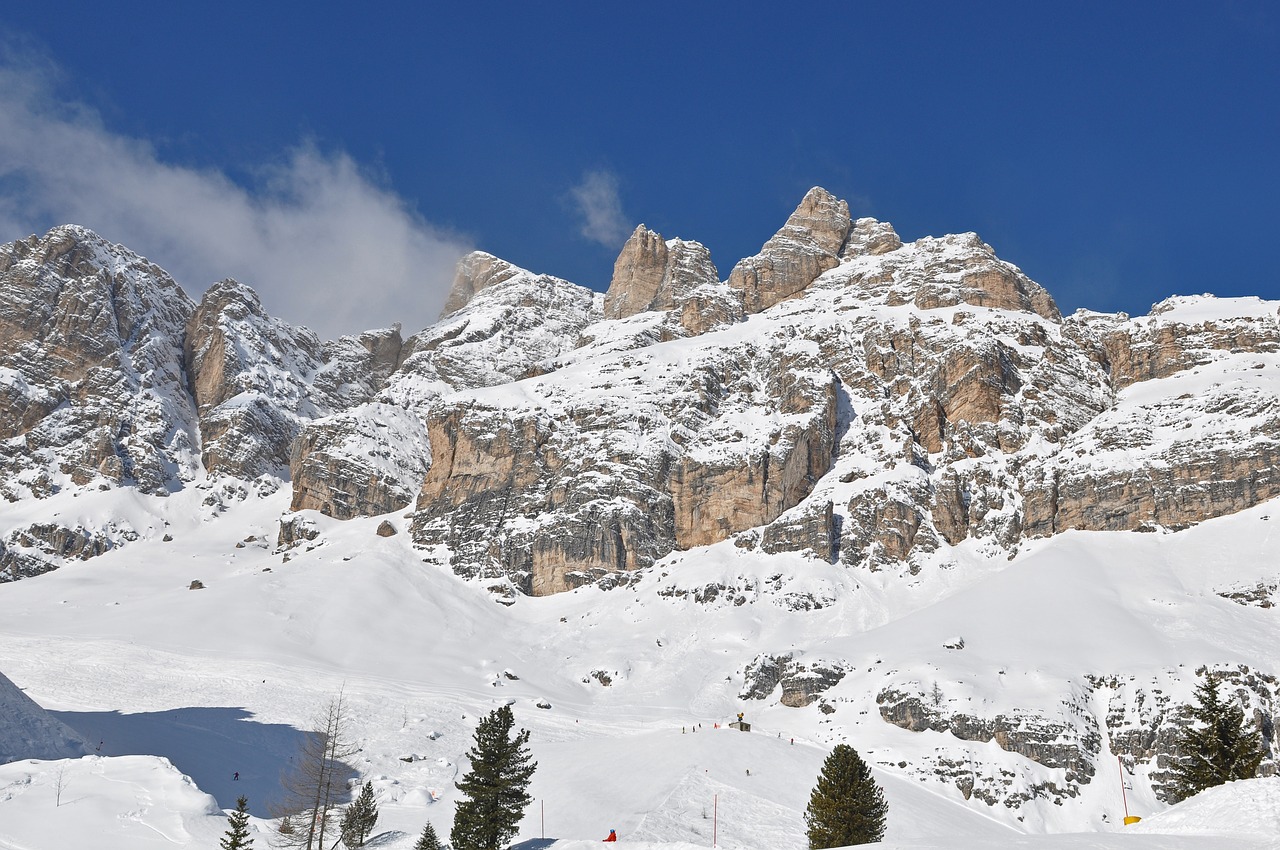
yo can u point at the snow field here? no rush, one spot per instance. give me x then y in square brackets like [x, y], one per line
[221, 680]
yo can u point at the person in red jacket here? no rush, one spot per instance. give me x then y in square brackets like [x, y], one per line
[613, 836]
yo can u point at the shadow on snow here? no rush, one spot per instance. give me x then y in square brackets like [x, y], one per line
[210, 745]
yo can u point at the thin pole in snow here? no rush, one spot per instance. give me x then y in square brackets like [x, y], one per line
[544, 818]
[1123, 798]
[715, 818]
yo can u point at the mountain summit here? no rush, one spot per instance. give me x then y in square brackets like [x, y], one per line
[866, 428]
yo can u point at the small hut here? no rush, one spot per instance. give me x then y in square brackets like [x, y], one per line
[740, 724]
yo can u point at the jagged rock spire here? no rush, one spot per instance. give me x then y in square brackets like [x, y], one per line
[806, 246]
[655, 274]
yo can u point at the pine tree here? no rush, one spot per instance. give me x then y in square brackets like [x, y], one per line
[1217, 747]
[847, 806]
[428, 840]
[237, 837]
[359, 818]
[495, 786]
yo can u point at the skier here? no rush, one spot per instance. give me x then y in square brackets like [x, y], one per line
[613, 836]
[235, 777]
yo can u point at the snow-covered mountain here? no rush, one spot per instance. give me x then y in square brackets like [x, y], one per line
[861, 489]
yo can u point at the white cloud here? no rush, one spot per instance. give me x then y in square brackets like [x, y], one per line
[324, 242]
[601, 209]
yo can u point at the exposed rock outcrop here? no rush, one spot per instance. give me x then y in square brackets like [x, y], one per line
[476, 271]
[250, 376]
[656, 274]
[1070, 742]
[870, 237]
[809, 528]
[513, 325]
[868, 401]
[40, 547]
[1164, 460]
[583, 474]
[802, 683]
[806, 246]
[1181, 333]
[365, 461]
[91, 381]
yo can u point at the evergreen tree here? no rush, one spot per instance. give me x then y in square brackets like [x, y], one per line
[1217, 747]
[428, 839]
[237, 837]
[494, 788]
[847, 806]
[359, 818]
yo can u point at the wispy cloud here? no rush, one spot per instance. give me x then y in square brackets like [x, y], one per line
[326, 242]
[597, 200]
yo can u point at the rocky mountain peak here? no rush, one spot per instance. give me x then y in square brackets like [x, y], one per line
[869, 237]
[233, 298]
[935, 272]
[476, 271]
[806, 246]
[227, 333]
[91, 384]
[637, 274]
[656, 274]
[821, 219]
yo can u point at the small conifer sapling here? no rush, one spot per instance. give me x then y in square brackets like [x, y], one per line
[237, 837]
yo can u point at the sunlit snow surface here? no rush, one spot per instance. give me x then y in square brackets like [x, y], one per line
[221, 680]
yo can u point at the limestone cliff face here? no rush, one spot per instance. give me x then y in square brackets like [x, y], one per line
[890, 401]
[249, 374]
[364, 461]
[605, 471]
[1181, 333]
[938, 272]
[513, 324]
[869, 402]
[258, 380]
[1195, 432]
[868, 237]
[656, 274]
[806, 246]
[722, 484]
[91, 381]
[504, 323]
[476, 271]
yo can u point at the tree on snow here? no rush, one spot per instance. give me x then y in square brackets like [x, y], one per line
[359, 818]
[428, 840]
[237, 837]
[1217, 747]
[315, 786]
[494, 788]
[847, 806]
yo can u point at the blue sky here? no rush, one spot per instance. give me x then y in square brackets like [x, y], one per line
[342, 155]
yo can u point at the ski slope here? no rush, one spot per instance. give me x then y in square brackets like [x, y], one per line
[184, 688]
